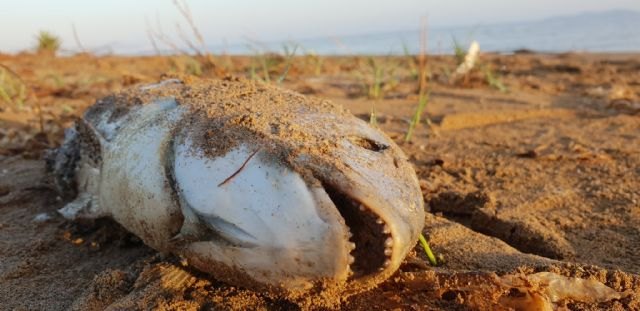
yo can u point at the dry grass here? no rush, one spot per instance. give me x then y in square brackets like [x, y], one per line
[12, 89]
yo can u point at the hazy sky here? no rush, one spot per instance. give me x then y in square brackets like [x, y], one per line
[122, 25]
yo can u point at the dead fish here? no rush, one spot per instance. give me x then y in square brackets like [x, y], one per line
[255, 185]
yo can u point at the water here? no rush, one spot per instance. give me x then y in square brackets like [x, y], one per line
[612, 31]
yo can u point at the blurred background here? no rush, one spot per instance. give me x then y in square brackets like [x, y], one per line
[326, 27]
[520, 118]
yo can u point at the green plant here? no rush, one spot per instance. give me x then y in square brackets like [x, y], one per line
[289, 54]
[423, 94]
[268, 61]
[423, 99]
[459, 52]
[315, 61]
[193, 67]
[47, 42]
[493, 80]
[427, 250]
[375, 88]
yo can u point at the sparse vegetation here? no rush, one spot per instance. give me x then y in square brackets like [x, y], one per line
[269, 62]
[377, 77]
[423, 95]
[314, 61]
[193, 67]
[194, 43]
[493, 80]
[266, 62]
[289, 53]
[47, 42]
[375, 88]
[459, 51]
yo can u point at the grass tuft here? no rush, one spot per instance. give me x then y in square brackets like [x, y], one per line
[289, 53]
[494, 81]
[415, 120]
[459, 51]
[47, 42]
[375, 88]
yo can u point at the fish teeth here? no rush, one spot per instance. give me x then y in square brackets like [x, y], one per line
[387, 263]
[362, 208]
[386, 229]
[351, 259]
[352, 245]
[388, 252]
[379, 221]
[388, 242]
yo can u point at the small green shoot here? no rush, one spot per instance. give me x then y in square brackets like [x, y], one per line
[266, 65]
[315, 61]
[289, 60]
[494, 81]
[422, 103]
[193, 67]
[375, 89]
[423, 98]
[459, 51]
[268, 61]
[427, 250]
[252, 72]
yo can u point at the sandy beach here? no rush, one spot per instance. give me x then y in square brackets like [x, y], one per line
[529, 163]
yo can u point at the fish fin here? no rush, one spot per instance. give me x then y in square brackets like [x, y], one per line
[197, 227]
[85, 206]
[229, 231]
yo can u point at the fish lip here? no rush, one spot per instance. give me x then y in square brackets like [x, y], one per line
[373, 250]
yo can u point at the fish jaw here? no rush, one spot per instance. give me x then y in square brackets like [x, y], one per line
[348, 223]
[376, 190]
[260, 217]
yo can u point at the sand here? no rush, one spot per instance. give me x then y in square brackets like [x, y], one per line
[544, 177]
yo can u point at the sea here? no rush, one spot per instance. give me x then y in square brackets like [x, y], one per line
[611, 31]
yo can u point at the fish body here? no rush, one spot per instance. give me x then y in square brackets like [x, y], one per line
[255, 185]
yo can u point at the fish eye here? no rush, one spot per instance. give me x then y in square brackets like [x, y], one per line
[368, 143]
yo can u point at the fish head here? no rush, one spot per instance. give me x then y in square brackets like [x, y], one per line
[321, 197]
[370, 182]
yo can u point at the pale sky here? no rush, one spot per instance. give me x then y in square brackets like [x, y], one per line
[120, 24]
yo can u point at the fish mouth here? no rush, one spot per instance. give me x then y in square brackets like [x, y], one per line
[370, 236]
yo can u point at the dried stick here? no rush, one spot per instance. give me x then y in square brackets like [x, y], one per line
[239, 169]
